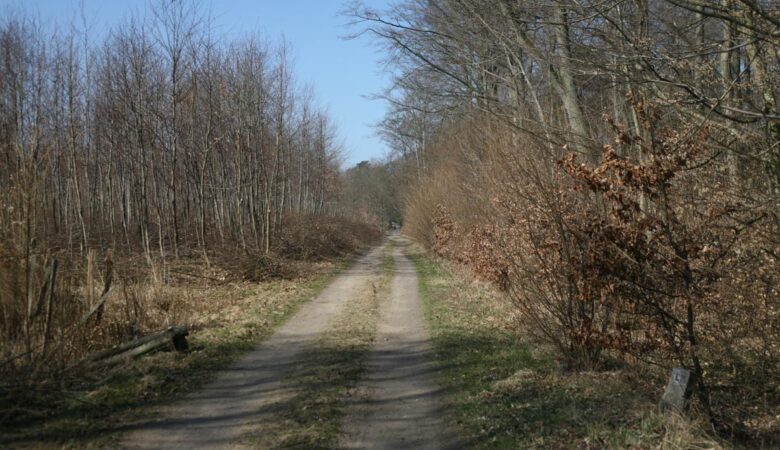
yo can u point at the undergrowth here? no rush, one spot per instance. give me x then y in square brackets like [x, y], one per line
[506, 392]
[91, 407]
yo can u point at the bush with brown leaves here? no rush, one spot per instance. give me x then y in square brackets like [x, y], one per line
[654, 256]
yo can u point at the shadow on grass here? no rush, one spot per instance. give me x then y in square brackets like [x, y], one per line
[478, 371]
[307, 410]
[500, 394]
[502, 397]
[96, 412]
[497, 392]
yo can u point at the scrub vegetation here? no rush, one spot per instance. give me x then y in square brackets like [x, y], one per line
[612, 168]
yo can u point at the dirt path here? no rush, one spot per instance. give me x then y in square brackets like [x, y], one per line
[400, 403]
[230, 409]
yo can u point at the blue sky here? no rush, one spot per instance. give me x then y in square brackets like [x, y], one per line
[343, 72]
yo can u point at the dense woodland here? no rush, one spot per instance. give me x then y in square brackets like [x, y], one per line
[157, 143]
[614, 167]
[159, 135]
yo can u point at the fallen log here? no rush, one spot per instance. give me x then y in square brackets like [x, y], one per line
[145, 344]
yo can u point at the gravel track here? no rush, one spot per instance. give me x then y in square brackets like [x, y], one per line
[400, 404]
[229, 409]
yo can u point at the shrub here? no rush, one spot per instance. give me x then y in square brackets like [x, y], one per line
[313, 237]
[652, 255]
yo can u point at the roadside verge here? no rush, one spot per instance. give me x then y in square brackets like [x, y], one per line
[504, 392]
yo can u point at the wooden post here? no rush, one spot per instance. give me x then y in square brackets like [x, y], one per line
[137, 347]
[49, 305]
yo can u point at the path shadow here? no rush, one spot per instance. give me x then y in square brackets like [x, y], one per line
[67, 414]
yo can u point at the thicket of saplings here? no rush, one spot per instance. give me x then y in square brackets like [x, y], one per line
[153, 158]
[655, 265]
[615, 168]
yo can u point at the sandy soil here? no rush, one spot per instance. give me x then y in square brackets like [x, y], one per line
[399, 406]
[232, 407]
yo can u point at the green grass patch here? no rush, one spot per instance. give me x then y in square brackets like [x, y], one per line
[504, 393]
[91, 410]
[331, 369]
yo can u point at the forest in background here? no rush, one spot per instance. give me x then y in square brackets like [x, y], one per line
[614, 167]
[158, 151]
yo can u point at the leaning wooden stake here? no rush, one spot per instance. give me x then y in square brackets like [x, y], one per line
[49, 305]
[98, 307]
[173, 335]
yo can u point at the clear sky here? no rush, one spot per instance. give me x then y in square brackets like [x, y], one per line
[343, 72]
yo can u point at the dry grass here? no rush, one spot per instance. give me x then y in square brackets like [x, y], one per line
[88, 407]
[229, 302]
[506, 392]
[319, 387]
